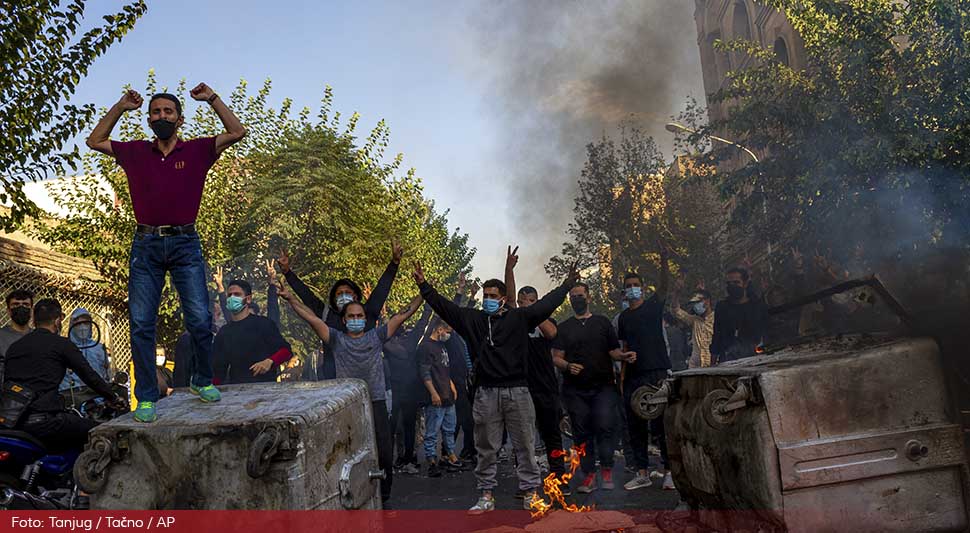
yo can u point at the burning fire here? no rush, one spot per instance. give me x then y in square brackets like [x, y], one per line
[551, 486]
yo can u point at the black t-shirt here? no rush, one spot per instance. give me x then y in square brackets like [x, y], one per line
[738, 329]
[541, 372]
[434, 358]
[642, 330]
[240, 345]
[588, 342]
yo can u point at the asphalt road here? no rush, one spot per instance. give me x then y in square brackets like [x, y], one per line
[456, 491]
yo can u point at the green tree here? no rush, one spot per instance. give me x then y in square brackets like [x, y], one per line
[44, 59]
[865, 151]
[628, 207]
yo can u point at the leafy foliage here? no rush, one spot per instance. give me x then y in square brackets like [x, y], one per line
[869, 143]
[628, 205]
[292, 182]
[43, 63]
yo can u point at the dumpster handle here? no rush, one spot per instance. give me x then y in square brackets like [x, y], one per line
[868, 281]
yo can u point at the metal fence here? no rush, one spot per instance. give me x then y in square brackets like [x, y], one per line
[110, 314]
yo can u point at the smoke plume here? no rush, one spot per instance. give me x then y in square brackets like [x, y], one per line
[562, 74]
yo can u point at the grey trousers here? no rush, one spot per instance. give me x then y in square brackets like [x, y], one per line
[496, 409]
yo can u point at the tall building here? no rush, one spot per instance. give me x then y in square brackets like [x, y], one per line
[728, 20]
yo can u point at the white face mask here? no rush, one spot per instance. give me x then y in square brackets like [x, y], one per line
[159, 360]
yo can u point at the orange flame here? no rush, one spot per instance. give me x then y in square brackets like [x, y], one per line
[551, 486]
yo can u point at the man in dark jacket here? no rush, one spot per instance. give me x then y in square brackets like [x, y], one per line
[498, 339]
[400, 352]
[739, 320]
[38, 362]
[541, 373]
[249, 349]
[343, 292]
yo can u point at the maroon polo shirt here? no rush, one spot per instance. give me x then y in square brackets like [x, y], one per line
[166, 190]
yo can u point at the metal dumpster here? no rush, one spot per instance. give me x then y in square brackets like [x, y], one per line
[842, 434]
[264, 446]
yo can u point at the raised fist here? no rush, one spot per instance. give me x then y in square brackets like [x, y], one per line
[201, 92]
[130, 100]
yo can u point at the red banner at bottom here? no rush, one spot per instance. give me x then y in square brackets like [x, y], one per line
[366, 521]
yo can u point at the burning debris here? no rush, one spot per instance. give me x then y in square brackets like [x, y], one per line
[551, 486]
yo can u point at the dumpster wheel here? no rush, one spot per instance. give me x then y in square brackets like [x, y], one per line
[90, 467]
[640, 404]
[261, 453]
[713, 409]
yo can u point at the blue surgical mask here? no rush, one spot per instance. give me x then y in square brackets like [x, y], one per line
[634, 293]
[491, 306]
[344, 299]
[356, 325]
[699, 308]
[235, 304]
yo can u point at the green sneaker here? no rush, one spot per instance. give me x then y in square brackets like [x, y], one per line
[146, 412]
[207, 394]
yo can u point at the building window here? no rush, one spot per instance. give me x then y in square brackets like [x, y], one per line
[781, 52]
[740, 26]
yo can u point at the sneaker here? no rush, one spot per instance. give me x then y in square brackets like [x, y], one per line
[630, 468]
[653, 449]
[566, 490]
[452, 464]
[411, 468]
[399, 463]
[207, 394]
[527, 500]
[484, 505]
[656, 474]
[433, 470]
[145, 412]
[618, 454]
[607, 477]
[669, 482]
[589, 484]
[639, 482]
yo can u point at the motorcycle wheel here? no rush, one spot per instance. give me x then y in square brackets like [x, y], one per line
[84, 474]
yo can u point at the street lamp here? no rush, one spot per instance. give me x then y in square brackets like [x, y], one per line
[676, 127]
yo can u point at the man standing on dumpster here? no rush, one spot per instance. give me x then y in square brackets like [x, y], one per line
[166, 177]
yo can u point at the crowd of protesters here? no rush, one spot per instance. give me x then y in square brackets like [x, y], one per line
[482, 379]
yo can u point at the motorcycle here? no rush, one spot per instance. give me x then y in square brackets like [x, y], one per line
[33, 478]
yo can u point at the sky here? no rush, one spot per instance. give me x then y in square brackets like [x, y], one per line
[491, 102]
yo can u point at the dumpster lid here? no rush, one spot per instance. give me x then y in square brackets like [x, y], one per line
[251, 403]
[806, 352]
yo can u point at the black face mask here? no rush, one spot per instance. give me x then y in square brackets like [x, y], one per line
[735, 292]
[20, 315]
[164, 129]
[579, 304]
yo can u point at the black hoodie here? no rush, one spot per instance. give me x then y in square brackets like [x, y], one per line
[498, 344]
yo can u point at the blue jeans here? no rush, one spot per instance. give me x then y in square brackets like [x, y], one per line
[441, 419]
[151, 257]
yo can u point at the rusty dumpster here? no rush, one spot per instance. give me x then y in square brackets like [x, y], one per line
[851, 433]
[307, 445]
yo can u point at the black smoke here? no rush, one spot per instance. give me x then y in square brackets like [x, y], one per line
[561, 74]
